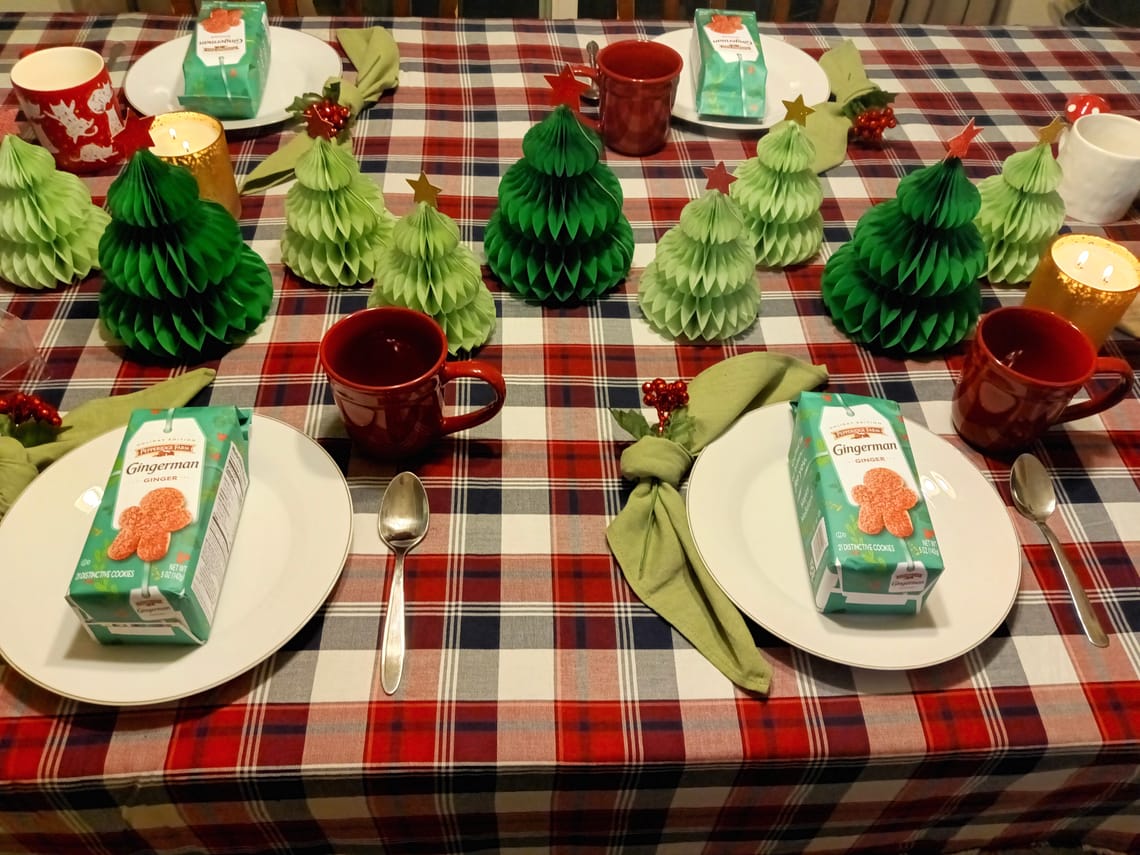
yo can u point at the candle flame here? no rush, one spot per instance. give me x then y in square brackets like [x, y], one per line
[1082, 258]
[1107, 274]
[186, 146]
[173, 133]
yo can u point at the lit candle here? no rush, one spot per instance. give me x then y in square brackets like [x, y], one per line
[1087, 279]
[198, 143]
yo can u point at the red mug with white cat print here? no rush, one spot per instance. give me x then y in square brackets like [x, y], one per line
[67, 98]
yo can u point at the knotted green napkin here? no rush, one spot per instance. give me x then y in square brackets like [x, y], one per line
[828, 124]
[20, 465]
[376, 58]
[651, 538]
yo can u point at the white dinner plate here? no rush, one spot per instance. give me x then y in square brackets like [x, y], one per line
[291, 544]
[298, 63]
[791, 72]
[745, 526]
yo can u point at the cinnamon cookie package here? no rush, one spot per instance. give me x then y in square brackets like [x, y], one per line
[155, 558]
[866, 529]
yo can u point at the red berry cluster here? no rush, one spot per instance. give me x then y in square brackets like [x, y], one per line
[665, 397]
[869, 125]
[326, 118]
[21, 408]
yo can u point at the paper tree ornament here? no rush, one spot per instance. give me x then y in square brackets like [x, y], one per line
[558, 234]
[906, 282]
[425, 267]
[49, 228]
[701, 284]
[335, 219]
[179, 284]
[780, 194]
[1021, 210]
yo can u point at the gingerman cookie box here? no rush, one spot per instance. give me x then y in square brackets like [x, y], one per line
[152, 568]
[866, 530]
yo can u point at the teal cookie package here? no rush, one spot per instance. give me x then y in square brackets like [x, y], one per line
[729, 73]
[866, 530]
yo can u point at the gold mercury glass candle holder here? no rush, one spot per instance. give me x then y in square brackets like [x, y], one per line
[197, 142]
[1087, 279]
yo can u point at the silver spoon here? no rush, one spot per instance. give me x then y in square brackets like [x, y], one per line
[1034, 498]
[402, 523]
[592, 93]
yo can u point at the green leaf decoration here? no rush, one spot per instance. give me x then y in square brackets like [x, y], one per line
[780, 196]
[336, 222]
[1020, 214]
[179, 283]
[558, 234]
[425, 267]
[701, 284]
[632, 422]
[49, 227]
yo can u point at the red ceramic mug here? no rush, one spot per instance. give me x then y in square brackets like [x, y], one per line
[387, 367]
[637, 85]
[1021, 371]
[66, 95]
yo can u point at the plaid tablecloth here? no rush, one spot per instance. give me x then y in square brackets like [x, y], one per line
[543, 706]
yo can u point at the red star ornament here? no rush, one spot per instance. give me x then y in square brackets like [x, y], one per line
[8, 123]
[566, 89]
[134, 135]
[959, 145]
[718, 177]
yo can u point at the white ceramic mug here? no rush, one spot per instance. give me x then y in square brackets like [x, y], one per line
[1100, 159]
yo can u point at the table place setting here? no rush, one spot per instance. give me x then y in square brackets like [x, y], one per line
[415, 431]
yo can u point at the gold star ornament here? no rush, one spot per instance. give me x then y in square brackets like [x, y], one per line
[1049, 134]
[425, 191]
[797, 111]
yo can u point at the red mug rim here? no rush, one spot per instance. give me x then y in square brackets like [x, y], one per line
[1044, 316]
[359, 317]
[657, 47]
[39, 54]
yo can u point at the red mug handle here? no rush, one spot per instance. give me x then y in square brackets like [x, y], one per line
[1106, 397]
[479, 371]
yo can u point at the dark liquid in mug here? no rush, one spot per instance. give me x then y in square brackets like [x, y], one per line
[385, 358]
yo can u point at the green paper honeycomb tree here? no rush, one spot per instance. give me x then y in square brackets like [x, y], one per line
[179, 283]
[701, 284]
[49, 228]
[907, 281]
[336, 222]
[780, 196]
[558, 234]
[425, 267]
[1021, 211]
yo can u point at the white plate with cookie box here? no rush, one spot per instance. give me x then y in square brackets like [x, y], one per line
[743, 519]
[290, 548]
[791, 72]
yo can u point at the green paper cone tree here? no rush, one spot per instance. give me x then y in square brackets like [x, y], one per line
[49, 228]
[1021, 210]
[907, 281]
[780, 194]
[425, 267]
[336, 222]
[179, 283]
[558, 234]
[701, 284]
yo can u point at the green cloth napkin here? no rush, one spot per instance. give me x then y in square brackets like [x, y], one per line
[651, 538]
[828, 126]
[19, 465]
[376, 58]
